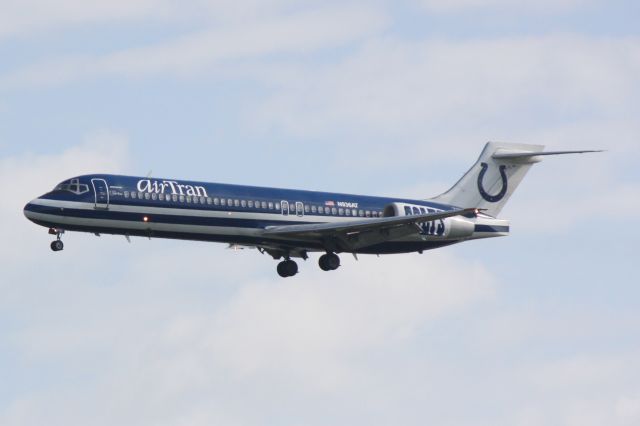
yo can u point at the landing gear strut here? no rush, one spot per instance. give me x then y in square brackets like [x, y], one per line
[57, 244]
[329, 262]
[287, 268]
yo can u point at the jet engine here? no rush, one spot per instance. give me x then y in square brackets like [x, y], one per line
[449, 228]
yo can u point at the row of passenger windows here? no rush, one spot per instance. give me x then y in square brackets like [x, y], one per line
[251, 204]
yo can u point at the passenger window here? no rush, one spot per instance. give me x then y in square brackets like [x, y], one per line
[154, 196]
[306, 208]
[188, 198]
[174, 197]
[334, 210]
[182, 198]
[277, 206]
[223, 202]
[134, 195]
[229, 202]
[407, 211]
[140, 195]
[347, 212]
[161, 196]
[264, 204]
[216, 201]
[416, 211]
[236, 203]
[208, 200]
[341, 212]
[243, 203]
[314, 209]
[126, 194]
[147, 195]
[250, 204]
[271, 205]
[367, 213]
[354, 212]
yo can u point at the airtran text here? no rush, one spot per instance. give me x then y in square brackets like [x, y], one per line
[171, 187]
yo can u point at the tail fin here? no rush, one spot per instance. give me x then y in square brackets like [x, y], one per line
[495, 176]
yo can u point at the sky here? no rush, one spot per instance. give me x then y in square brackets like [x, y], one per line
[379, 97]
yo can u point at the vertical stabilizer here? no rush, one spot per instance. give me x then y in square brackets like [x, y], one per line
[494, 177]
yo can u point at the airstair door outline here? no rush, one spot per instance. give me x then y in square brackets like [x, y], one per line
[101, 191]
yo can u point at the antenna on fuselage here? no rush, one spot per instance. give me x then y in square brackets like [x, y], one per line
[149, 174]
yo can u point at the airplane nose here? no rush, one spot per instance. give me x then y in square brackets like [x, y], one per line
[28, 210]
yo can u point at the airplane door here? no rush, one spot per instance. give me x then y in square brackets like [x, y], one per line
[299, 209]
[101, 191]
[285, 207]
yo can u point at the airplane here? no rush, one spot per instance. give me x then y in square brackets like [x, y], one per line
[288, 224]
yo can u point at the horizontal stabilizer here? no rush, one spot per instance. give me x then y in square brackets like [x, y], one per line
[495, 175]
[517, 155]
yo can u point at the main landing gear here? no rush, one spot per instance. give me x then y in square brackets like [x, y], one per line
[287, 268]
[57, 244]
[329, 262]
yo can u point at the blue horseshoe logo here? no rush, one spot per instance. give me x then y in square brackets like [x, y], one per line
[492, 198]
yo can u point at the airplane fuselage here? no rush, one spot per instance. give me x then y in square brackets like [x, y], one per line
[235, 214]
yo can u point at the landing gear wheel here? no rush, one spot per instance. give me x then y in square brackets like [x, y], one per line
[57, 245]
[322, 262]
[329, 262]
[287, 268]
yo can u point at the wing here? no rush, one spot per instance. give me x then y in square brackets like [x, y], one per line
[355, 234]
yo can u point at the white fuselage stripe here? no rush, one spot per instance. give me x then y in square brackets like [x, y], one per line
[189, 212]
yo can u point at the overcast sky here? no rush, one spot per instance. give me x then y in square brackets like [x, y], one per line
[376, 97]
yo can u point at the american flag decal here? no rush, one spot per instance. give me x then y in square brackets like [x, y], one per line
[329, 203]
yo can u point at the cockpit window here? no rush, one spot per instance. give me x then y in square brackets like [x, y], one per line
[73, 185]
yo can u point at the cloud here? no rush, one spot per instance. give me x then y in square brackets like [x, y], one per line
[27, 176]
[177, 336]
[161, 332]
[504, 6]
[255, 37]
[323, 323]
[402, 89]
[599, 390]
[18, 18]
[163, 321]
[177, 339]
[40, 17]
[173, 332]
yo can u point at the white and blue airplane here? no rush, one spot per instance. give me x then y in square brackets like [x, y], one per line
[286, 223]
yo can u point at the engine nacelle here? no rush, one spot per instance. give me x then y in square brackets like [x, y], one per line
[449, 228]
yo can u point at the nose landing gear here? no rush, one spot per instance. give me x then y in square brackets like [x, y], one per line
[57, 245]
